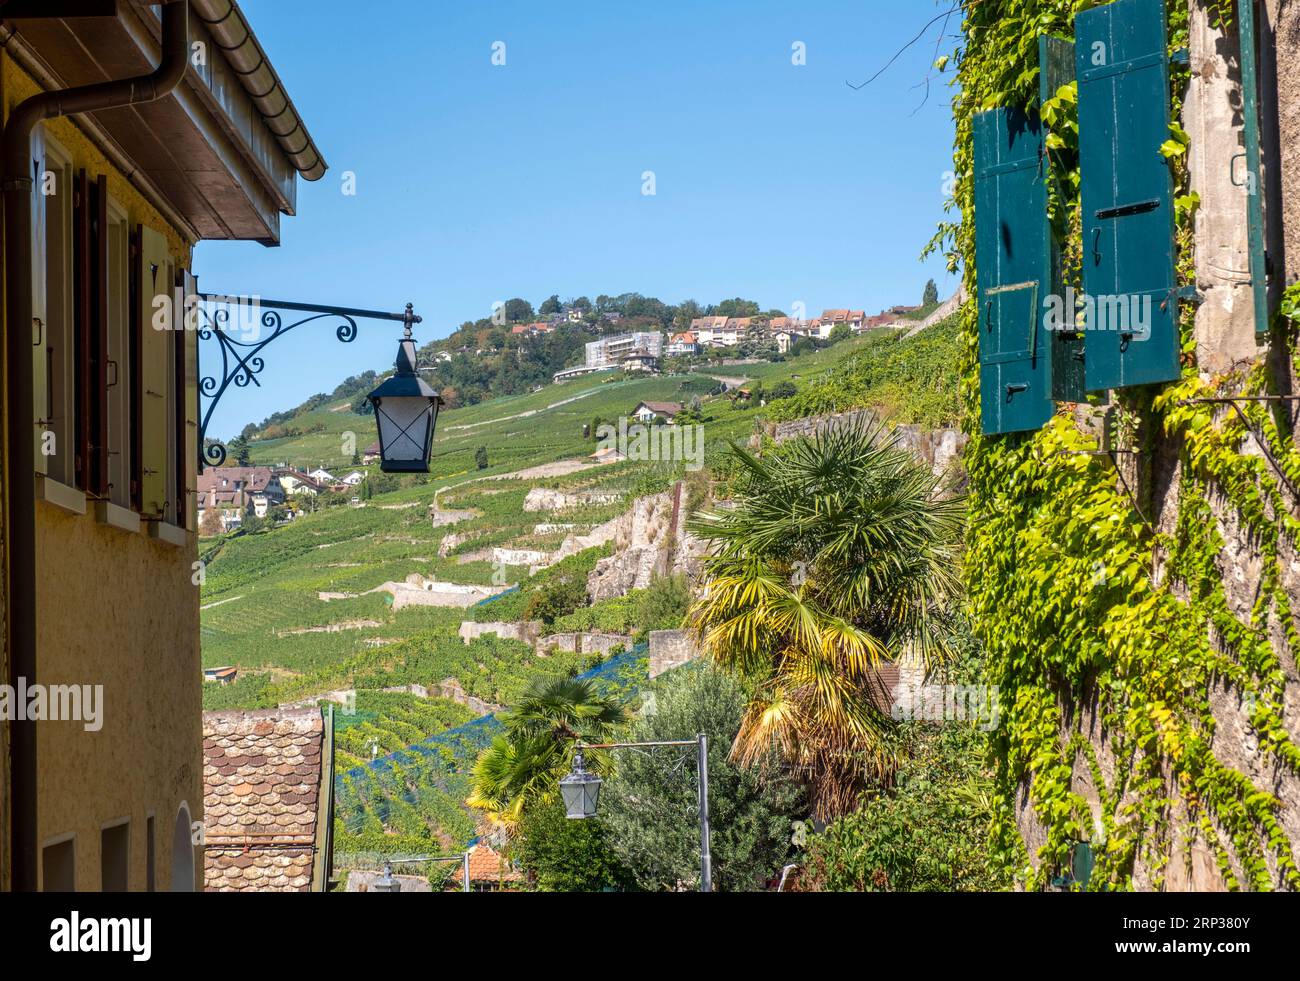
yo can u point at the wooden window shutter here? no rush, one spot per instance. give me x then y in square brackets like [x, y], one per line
[98, 388]
[1012, 271]
[83, 312]
[187, 407]
[156, 376]
[40, 318]
[135, 333]
[1122, 63]
[1056, 69]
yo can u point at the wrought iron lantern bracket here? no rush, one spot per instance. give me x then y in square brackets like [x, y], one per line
[241, 357]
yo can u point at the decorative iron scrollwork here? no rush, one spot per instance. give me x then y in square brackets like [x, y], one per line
[241, 357]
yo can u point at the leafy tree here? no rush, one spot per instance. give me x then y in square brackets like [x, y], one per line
[362, 406]
[558, 597]
[841, 554]
[840, 332]
[736, 308]
[550, 305]
[522, 767]
[781, 390]
[251, 524]
[238, 448]
[931, 294]
[649, 805]
[481, 458]
[210, 526]
[663, 604]
[561, 855]
[517, 310]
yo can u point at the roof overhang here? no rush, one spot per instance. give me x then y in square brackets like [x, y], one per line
[213, 158]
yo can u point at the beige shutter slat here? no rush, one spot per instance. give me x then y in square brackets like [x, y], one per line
[188, 448]
[154, 367]
[40, 321]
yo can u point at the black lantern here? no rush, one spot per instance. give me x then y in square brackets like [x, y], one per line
[406, 410]
[580, 790]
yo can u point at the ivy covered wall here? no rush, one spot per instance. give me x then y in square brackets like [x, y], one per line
[1136, 592]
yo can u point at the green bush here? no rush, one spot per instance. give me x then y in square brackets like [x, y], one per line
[649, 807]
[560, 855]
[929, 832]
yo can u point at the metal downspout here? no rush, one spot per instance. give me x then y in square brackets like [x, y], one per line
[18, 186]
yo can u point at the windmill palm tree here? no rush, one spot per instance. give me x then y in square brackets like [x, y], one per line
[522, 765]
[840, 556]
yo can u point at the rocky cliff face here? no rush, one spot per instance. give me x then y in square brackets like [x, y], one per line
[649, 541]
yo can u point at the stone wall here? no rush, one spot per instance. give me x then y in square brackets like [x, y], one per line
[451, 688]
[528, 630]
[1224, 332]
[582, 642]
[671, 649]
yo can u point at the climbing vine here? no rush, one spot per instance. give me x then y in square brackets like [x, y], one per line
[1106, 635]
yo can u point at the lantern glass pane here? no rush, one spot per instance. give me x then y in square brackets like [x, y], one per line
[574, 800]
[403, 428]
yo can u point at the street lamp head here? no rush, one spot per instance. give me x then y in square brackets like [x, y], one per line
[386, 882]
[580, 790]
[406, 411]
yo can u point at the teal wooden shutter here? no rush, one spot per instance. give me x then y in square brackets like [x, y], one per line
[1122, 65]
[1012, 274]
[1056, 69]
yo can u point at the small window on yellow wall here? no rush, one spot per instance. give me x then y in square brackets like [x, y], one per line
[59, 866]
[115, 858]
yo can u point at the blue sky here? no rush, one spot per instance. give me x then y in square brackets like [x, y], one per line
[477, 182]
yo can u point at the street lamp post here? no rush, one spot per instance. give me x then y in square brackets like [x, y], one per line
[580, 789]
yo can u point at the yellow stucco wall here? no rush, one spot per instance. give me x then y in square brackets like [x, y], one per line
[116, 609]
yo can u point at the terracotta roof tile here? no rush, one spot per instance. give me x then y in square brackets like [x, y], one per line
[261, 776]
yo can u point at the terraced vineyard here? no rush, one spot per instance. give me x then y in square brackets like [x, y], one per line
[302, 610]
[410, 801]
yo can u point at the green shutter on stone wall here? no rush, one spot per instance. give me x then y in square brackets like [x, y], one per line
[1012, 271]
[1122, 64]
[1055, 70]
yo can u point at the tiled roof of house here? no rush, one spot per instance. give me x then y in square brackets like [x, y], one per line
[261, 780]
[252, 479]
[664, 408]
[488, 865]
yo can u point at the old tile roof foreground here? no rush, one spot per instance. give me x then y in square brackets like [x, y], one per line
[261, 781]
[486, 864]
